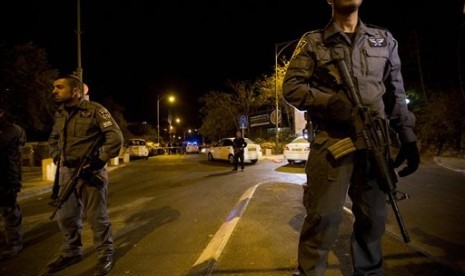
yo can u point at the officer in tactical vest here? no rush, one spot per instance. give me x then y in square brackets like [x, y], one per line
[313, 83]
[78, 124]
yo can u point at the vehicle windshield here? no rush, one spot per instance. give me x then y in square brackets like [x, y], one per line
[136, 143]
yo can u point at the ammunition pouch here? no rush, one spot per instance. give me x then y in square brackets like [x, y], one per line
[342, 148]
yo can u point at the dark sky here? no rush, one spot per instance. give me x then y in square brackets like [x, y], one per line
[134, 50]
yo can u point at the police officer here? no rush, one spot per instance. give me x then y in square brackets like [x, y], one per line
[313, 83]
[12, 138]
[238, 145]
[78, 124]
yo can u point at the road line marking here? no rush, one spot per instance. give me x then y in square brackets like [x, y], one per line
[212, 252]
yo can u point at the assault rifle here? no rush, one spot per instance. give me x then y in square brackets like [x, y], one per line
[372, 134]
[67, 190]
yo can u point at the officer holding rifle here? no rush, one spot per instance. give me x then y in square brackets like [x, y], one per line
[342, 159]
[79, 125]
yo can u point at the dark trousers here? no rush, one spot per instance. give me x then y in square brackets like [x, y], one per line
[239, 157]
[328, 183]
[91, 203]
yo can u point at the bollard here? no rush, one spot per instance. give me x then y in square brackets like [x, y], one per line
[126, 158]
[48, 169]
[114, 161]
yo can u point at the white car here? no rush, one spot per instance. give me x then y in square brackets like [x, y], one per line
[137, 148]
[223, 150]
[297, 150]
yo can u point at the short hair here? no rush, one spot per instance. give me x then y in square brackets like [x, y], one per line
[73, 81]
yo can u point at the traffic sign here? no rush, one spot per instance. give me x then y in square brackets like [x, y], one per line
[243, 121]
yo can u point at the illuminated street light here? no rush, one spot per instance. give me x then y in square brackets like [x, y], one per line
[170, 99]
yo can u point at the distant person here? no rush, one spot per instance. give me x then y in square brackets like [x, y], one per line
[78, 124]
[239, 144]
[313, 83]
[12, 138]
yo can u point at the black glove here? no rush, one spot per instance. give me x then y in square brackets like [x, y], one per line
[89, 175]
[92, 179]
[94, 165]
[409, 152]
[338, 111]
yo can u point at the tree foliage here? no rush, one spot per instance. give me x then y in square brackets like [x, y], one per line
[440, 122]
[25, 84]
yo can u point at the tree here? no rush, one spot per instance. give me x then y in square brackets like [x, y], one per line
[219, 115]
[25, 84]
[440, 122]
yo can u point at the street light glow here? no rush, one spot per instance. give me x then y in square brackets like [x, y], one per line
[171, 99]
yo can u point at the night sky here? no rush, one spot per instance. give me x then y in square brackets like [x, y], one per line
[134, 50]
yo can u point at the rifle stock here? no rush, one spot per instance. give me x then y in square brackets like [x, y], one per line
[374, 137]
[70, 187]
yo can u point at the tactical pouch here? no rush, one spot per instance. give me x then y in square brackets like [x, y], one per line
[342, 148]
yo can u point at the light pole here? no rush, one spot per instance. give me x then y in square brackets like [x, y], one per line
[170, 99]
[276, 55]
[79, 67]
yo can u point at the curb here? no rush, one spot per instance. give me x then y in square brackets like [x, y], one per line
[46, 186]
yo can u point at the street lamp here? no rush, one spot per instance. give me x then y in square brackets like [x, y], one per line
[276, 55]
[170, 99]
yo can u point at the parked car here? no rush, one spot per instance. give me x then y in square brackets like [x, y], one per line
[223, 150]
[297, 150]
[137, 147]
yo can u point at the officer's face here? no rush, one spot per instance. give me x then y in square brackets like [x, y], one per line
[64, 93]
[345, 6]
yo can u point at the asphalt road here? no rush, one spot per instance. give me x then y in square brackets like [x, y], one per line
[182, 215]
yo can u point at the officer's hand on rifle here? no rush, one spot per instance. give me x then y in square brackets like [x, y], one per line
[409, 152]
[88, 172]
[338, 111]
[95, 164]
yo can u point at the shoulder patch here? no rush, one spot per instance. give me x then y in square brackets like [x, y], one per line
[377, 42]
[104, 114]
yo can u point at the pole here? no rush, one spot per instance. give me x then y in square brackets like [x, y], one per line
[158, 120]
[276, 96]
[276, 55]
[79, 65]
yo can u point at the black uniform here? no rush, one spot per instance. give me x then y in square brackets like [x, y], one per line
[239, 144]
